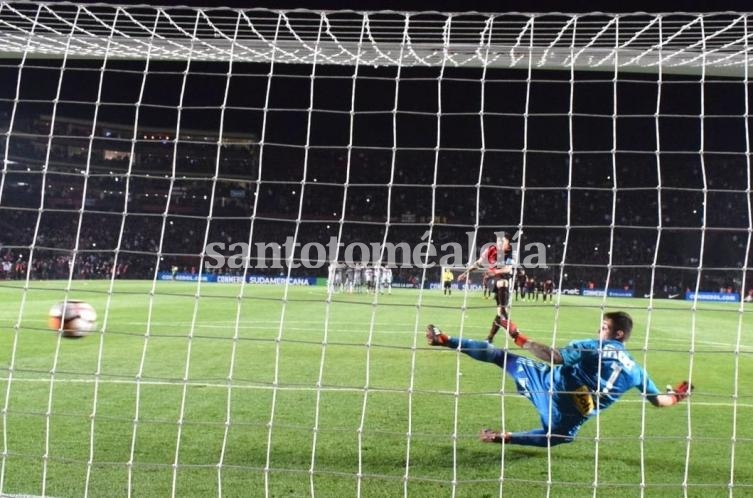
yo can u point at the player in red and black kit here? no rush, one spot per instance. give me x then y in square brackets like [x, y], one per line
[548, 289]
[520, 284]
[497, 260]
[488, 285]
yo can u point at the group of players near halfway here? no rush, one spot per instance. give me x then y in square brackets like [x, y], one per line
[358, 278]
[524, 286]
[567, 385]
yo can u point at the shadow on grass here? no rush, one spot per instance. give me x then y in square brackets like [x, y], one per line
[492, 454]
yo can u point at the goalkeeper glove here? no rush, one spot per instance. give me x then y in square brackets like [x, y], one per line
[513, 332]
[681, 391]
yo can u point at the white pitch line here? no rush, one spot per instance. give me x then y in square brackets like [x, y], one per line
[264, 387]
[354, 328]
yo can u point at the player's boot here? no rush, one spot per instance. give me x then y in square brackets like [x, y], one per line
[435, 337]
[491, 436]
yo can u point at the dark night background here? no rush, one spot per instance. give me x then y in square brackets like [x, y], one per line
[310, 150]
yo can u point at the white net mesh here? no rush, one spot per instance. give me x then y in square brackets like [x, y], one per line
[678, 42]
[182, 169]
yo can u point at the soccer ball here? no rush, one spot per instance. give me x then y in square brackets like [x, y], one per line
[73, 319]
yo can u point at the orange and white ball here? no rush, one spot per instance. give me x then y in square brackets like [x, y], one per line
[73, 319]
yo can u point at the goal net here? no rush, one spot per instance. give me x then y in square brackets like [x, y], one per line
[211, 181]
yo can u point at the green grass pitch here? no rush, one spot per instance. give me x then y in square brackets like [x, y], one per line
[287, 395]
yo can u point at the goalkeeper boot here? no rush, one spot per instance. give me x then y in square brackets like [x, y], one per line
[491, 436]
[435, 337]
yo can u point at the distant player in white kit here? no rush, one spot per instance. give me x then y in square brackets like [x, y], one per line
[387, 279]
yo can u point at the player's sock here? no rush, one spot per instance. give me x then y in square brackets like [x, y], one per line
[504, 295]
[494, 329]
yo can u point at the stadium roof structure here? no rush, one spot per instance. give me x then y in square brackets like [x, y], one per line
[714, 44]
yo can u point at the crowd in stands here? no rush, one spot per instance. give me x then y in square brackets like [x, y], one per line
[100, 215]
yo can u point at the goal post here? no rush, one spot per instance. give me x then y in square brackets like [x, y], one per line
[260, 204]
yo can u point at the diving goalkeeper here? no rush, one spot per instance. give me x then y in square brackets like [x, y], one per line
[569, 385]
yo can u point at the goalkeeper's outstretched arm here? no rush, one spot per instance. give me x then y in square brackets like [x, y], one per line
[673, 395]
[543, 352]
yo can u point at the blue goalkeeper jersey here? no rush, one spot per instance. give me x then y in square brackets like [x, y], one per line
[593, 375]
[598, 379]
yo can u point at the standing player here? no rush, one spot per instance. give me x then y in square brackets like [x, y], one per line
[447, 278]
[588, 376]
[520, 284]
[358, 278]
[530, 287]
[487, 282]
[335, 278]
[548, 289]
[498, 261]
[387, 279]
[368, 278]
[349, 279]
[331, 272]
[378, 279]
